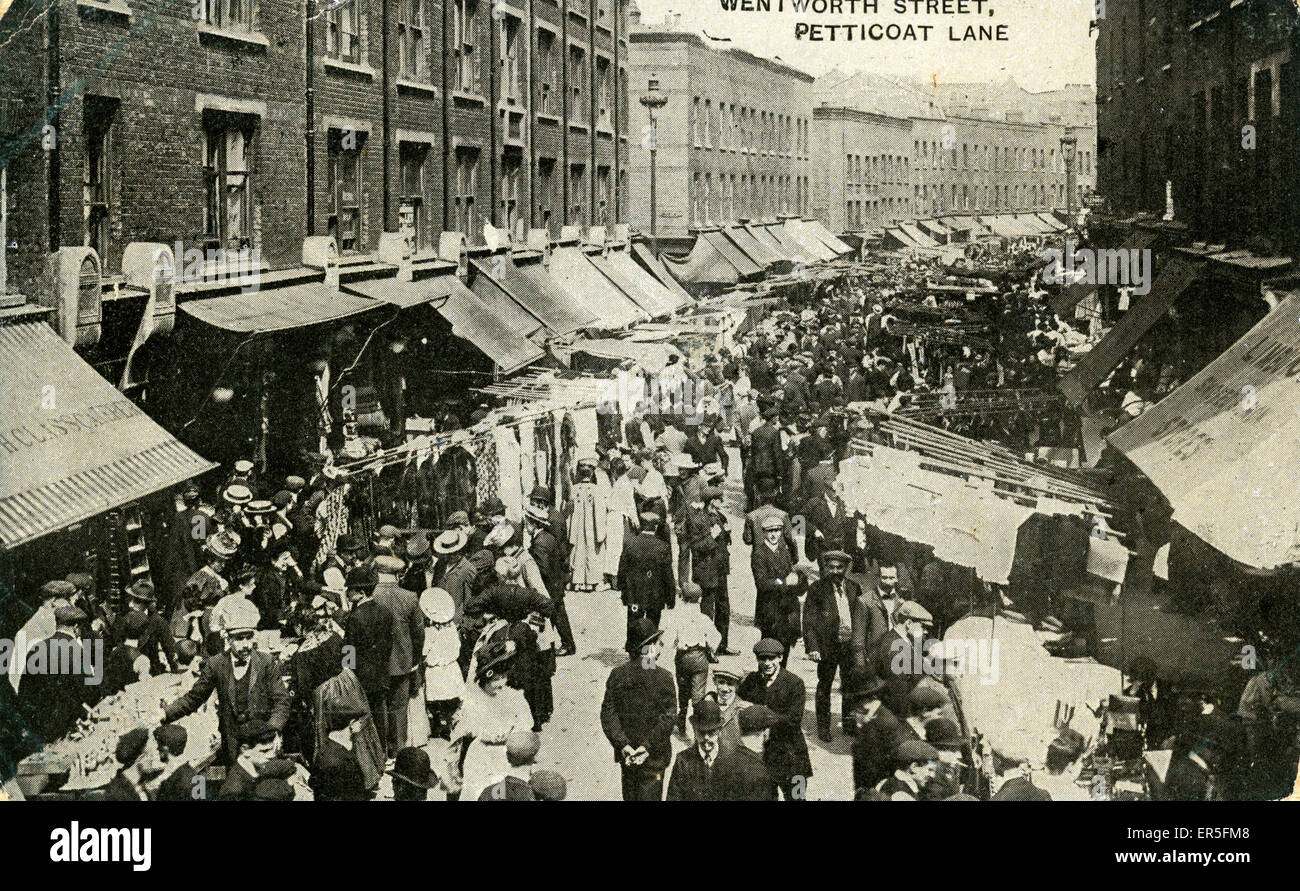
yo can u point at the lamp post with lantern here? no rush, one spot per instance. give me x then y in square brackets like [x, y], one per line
[653, 100]
[1069, 153]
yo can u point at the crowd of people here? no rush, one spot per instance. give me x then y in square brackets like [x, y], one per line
[338, 657]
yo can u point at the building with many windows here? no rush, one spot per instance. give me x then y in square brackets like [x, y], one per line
[273, 121]
[733, 141]
[1198, 102]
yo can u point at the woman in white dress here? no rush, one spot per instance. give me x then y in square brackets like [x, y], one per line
[491, 711]
[622, 514]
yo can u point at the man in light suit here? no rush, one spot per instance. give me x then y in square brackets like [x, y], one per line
[408, 645]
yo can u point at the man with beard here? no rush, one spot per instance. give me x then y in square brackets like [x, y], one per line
[786, 751]
[833, 619]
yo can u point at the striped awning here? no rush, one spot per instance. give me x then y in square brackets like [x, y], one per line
[71, 445]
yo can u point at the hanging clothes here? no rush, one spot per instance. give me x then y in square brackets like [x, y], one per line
[622, 512]
[588, 528]
[527, 457]
[586, 430]
[510, 487]
[484, 450]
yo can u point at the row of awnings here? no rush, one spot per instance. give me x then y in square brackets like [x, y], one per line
[511, 306]
[933, 232]
[730, 255]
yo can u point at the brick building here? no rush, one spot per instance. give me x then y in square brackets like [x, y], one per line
[886, 151]
[1199, 99]
[258, 131]
[733, 140]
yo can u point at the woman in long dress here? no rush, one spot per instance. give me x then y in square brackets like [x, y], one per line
[587, 527]
[491, 711]
[622, 514]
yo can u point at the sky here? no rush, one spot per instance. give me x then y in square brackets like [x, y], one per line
[1048, 42]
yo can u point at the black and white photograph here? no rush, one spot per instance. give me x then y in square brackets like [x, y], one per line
[650, 400]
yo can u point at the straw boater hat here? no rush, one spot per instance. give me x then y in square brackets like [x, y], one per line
[537, 514]
[237, 494]
[222, 544]
[450, 542]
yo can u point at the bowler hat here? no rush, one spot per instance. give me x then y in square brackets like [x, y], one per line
[411, 765]
[362, 578]
[943, 734]
[130, 745]
[706, 717]
[347, 544]
[642, 633]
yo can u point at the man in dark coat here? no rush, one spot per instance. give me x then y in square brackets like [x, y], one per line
[766, 458]
[833, 635]
[705, 446]
[878, 733]
[408, 646]
[786, 751]
[137, 752]
[776, 605]
[548, 554]
[709, 541]
[645, 574]
[637, 715]
[828, 524]
[893, 657]
[368, 639]
[181, 783]
[246, 681]
[51, 698]
[707, 771]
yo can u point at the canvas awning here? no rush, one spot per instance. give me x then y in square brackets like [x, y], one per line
[791, 245]
[651, 264]
[917, 235]
[900, 236]
[1222, 446]
[71, 445]
[535, 294]
[933, 228]
[639, 285]
[768, 240]
[760, 253]
[810, 243]
[281, 309]
[1175, 278]
[828, 238]
[650, 356]
[473, 320]
[403, 294]
[1051, 222]
[1070, 295]
[574, 272]
[746, 266]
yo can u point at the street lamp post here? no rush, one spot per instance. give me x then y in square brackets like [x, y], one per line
[653, 100]
[1069, 152]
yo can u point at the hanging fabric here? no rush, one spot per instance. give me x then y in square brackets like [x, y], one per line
[484, 450]
[586, 430]
[509, 486]
[527, 457]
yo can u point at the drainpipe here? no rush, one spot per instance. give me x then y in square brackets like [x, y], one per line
[310, 97]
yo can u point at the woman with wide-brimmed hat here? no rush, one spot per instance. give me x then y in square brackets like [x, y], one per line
[490, 712]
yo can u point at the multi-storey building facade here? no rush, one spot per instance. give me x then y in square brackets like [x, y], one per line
[256, 123]
[734, 140]
[861, 168]
[1198, 100]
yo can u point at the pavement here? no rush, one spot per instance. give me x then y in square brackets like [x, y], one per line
[572, 742]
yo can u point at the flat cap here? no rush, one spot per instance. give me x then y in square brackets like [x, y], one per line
[927, 696]
[522, 747]
[295, 483]
[757, 718]
[772, 522]
[82, 581]
[130, 745]
[910, 751]
[58, 588]
[836, 557]
[389, 563]
[912, 610]
[69, 615]
[458, 518]
[768, 647]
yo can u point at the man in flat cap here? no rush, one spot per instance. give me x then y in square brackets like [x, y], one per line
[833, 634]
[638, 712]
[58, 681]
[786, 752]
[755, 723]
[258, 744]
[878, 731]
[776, 585]
[709, 541]
[246, 681]
[645, 574]
[727, 675]
[915, 764]
[894, 656]
[407, 649]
